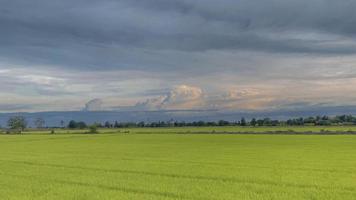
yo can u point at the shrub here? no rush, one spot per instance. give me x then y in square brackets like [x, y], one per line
[93, 129]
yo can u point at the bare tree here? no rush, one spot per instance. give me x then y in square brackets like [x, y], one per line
[62, 123]
[17, 122]
[39, 122]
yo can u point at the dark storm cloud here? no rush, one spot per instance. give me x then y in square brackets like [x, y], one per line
[132, 33]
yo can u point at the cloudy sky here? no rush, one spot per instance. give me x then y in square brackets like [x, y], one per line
[176, 54]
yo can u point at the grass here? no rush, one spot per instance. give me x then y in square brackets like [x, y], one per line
[177, 166]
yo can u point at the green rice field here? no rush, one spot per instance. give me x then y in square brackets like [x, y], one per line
[126, 165]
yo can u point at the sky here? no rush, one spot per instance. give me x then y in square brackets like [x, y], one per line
[176, 55]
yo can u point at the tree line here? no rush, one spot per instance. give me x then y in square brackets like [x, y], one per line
[20, 123]
[310, 121]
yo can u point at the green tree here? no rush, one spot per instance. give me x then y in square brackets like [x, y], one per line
[253, 122]
[93, 129]
[107, 124]
[223, 123]
[243, 122]
[81, 125]
[116, 125]
[72, 124]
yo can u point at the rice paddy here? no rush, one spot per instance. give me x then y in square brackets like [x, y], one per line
[126, 165]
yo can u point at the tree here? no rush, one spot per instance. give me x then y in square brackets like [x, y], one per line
[223, 123]
[140, 124]
[116, 125]
[17, 122]
[62, 123]
[107, 124]
[81, 125]
[39, 122]
[253, 122]
[243, 122]
[260, 122]
[266, 121]
[325, 117]
[72, 124]
[93, 129]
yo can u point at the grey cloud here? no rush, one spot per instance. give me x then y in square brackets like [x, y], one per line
[326, 15]
[18, 81]
[93, 105]
[12, 107]
[83, 48]
[113, 34]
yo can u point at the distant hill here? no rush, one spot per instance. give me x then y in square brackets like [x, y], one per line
[54, 118]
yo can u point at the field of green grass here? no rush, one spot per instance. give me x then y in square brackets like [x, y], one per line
[177, 166]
